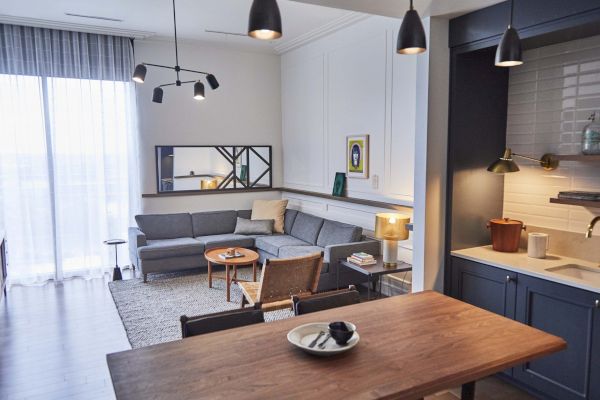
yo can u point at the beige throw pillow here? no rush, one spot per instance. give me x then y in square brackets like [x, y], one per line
[270, 209]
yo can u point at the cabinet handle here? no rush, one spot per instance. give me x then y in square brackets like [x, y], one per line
[509, 279]
[597, 304]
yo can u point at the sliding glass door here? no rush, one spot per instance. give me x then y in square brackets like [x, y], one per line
[68, 174]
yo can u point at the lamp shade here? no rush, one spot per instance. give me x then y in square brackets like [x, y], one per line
[411, 38]
[212, 81]
[264, 22]
[504, 164]
[391, 226]
[509, 53]
[157, 95]
[199, 91]
[139, 74]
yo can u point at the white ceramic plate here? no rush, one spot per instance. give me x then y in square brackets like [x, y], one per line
[303, 335]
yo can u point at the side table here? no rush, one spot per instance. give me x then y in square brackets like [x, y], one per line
[117, 276]
[373, 272]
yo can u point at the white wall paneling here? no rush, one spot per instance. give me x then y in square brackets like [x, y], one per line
[245, 110]
[550, 98]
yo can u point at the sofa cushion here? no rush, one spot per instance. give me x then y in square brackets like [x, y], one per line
[270, 209]
[246, 214]
[306, 227]
[334, 232]
[271, 244]
[225, 240]
[290, 217]
[254, 227]
[299, 251]
[214, 222]
[168, 248]
[165, 226]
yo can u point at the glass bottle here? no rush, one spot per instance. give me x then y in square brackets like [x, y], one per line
[591, 135]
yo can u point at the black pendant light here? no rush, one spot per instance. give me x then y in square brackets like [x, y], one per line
[265, 20]
[139, 74]
[411, 38]
[199, 91]
[509, 53]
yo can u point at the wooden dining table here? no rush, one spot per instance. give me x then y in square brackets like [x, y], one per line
[410, 346]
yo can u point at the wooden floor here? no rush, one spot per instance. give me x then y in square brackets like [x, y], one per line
[54, 340]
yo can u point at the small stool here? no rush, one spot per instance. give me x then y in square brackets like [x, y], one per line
[117, 276]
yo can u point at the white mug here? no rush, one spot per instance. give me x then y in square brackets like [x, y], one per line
[537, 245]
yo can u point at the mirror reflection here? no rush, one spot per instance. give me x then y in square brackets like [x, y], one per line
[193, 168]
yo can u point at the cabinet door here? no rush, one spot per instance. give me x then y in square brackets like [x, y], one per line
[566, 312]
[490, 288]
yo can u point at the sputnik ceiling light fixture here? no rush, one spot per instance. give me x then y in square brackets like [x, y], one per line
[139, 75]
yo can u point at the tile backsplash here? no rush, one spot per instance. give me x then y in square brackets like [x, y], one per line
[550, 99]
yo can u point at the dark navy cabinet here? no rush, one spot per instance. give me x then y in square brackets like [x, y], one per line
[565, 311]
[490, 288]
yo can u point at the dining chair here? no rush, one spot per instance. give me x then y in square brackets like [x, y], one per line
[192, 326]
[281, 279]
[325, 301]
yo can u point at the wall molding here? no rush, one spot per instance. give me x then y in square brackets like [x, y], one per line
[69, 26]
[324, 30]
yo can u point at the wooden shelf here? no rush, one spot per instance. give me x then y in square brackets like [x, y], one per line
[576, 157]
[575, 202]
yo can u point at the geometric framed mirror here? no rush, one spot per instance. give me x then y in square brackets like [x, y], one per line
[212, 168]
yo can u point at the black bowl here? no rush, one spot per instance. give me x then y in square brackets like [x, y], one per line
[341, 332]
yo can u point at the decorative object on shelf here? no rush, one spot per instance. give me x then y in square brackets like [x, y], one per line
[509, 53]
[339, 184]
[362, 258]
[506, 164]
[591, 135]
[411, 37]
[357, 156]
[506, 234]
[208, 184]
[537, 244]
[139, 74]
[243, 173]
[391, 227]
[264, 22]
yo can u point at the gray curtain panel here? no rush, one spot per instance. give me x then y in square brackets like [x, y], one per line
[26, 50]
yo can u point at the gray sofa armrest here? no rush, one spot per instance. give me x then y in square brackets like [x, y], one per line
[334, 253]
[137, 239]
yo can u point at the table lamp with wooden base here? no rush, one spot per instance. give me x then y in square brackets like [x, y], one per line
[391, 227]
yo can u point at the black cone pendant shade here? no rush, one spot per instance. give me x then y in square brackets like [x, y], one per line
[509, 53]
[139, 74]
[157, 95]
[199, 91]
[265, 20]
[212, 81]
[411, 38]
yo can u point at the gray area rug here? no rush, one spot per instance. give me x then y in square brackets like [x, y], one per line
[150, 311]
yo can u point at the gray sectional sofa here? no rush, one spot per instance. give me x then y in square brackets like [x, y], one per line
[172, 242]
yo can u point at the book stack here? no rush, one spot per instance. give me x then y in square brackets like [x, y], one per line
[362, 258]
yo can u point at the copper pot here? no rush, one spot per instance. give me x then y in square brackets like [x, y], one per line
[506, 234]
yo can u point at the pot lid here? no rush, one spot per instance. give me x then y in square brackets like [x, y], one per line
[506, 221]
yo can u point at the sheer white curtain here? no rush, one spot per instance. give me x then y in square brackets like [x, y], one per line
[68, 160]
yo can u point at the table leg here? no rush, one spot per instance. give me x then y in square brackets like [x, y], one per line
[254, 271]
[234, 273]
[337, 276]
[368, 287]
[209, 274]
[468, 391]
[227, 281]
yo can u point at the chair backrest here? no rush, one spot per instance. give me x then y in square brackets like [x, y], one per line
[325, 301]
[285, 277]
[192, 326]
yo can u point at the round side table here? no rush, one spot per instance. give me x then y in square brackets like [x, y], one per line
[250, 257]
[117, 276]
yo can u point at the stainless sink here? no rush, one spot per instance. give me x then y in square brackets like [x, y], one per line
[590, 274]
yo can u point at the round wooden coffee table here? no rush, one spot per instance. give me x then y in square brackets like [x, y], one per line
[213, 257]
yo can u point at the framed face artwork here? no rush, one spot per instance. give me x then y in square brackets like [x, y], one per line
[357, 156]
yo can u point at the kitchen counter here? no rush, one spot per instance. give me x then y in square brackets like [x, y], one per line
[521, 263]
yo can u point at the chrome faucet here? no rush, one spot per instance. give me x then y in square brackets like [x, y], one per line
[590, 228]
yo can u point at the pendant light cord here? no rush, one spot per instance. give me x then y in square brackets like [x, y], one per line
[176, 50]
[512, 7]
[411, 4]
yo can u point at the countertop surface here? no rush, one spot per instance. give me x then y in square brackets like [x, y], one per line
[521, 263]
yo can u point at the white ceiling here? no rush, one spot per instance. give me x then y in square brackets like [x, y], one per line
[153, 18]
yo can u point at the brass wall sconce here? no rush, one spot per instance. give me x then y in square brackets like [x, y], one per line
[506, 164]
